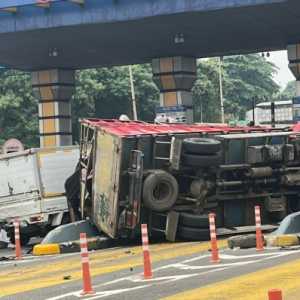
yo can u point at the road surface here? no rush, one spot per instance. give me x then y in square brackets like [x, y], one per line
[181, 271]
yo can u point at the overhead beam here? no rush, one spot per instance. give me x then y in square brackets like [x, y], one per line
[12, 10]
[10, 5]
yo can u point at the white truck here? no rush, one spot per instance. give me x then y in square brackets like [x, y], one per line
[32, 189]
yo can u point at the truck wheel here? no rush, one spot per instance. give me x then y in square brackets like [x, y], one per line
[160, 191]
[197, 221]
[201, 146]
[194, 234]
[194, 160]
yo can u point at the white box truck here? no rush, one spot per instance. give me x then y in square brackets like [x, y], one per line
[32, 189]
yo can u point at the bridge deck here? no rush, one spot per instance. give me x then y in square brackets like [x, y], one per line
[110, 32]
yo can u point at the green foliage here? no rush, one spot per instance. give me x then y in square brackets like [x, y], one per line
[18, 108]
[245, 78]
[206, 92]
[105, 93]
[289, 92]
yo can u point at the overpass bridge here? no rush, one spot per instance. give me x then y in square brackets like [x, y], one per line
[52, 38]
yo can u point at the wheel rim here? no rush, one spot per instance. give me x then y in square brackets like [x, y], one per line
[161, 191]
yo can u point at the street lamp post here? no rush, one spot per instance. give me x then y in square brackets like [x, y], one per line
[134, 110]
[221, 89]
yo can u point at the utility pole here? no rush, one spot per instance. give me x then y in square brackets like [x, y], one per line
[132, 94]
[221, 89]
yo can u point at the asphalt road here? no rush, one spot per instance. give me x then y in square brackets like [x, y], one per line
[181, 271]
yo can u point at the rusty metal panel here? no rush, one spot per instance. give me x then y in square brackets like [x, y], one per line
[106, 182]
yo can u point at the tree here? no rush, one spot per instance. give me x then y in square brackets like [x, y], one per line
[206, 92]
[105, 93]
[18, 108]
[289, 92]
[245, 78]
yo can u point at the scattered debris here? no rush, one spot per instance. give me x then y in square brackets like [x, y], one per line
[242, 241]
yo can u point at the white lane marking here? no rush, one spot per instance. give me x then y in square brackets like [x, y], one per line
[181, 265]
[235, 257]
[134, 279]
[162, 281]
[212, 266]
[196, 258]
[115, 292]
[28, 259]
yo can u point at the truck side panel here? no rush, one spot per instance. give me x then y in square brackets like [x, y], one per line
[19, 186]
[55, 167]
[17, 175]
[106, 183]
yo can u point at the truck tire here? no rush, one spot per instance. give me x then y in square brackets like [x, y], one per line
[160, 191]
[201, 146]
[194, 160]
[196, 221]
[194, 234]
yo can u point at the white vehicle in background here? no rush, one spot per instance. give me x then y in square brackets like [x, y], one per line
[32, 189]
[284, 113]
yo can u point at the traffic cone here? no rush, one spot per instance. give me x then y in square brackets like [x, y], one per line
[259, 237]
[146, 252]
[86, 276]
[275, 294]
[17, 239]
[213, 238]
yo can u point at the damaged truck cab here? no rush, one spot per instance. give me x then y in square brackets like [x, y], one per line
[172, 175]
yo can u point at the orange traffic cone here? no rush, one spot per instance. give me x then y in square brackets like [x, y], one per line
[17, 239]
[275, 294]
[146, 252]
[213, 238]
[86, 276]
[259, 237]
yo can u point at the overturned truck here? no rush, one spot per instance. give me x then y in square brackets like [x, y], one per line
[171, 176]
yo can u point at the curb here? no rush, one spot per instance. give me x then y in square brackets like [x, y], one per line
[285, 240]
[71, 247]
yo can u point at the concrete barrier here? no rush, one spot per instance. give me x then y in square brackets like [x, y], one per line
[71, 247]
[285, 240]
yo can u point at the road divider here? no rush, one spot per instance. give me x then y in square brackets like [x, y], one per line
[17, 239]
[286, 240]
[213, 238]
[94, 243]
[275, 294]
[146, 252]
[259, 236]
[85, 263]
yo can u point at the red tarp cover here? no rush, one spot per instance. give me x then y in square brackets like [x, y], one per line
[130, 128]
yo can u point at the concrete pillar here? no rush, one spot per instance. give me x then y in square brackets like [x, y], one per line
[175, 77]
[54, 89]
[294, 65]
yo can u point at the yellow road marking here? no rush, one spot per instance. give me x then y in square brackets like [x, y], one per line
[253, 286]
[101, 263]
[106, 255]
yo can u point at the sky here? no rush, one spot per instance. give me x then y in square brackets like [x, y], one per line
[284, 75]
